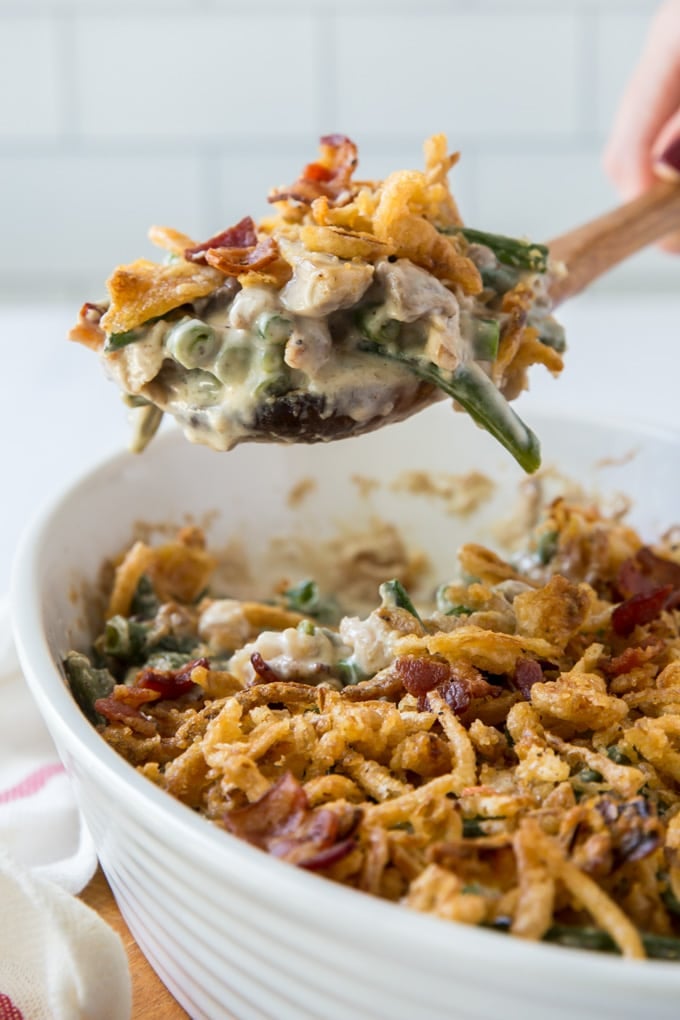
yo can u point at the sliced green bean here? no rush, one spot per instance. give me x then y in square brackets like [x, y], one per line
[350, 674]
[616, 755]
[306, 598]
[274, 328]
[474, 391]
[547, 547]
[87, 683]
[485, 335]
[147, 420]
[192, 343]
[124, 638]
[374, 323]
[508, 250]
[393, 594]
[587, 775]
[551, 333]
[500, 279]
[145, 603]
[116, 341]
[657, 947]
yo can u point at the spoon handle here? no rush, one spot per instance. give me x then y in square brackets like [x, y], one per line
[589, 251]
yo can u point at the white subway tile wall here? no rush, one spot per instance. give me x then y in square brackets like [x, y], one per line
[116, 115]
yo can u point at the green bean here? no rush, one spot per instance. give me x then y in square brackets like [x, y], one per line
[374, 323]
[500, 279]
[274, 328]
[474, 391]
[232, 364]
[657, 947]
[147, 420]
[306, 598]
[87, 683]
[550, 333]
[484, 336]
[145, 603]
[350, 674]
[393, 594]
[547, 547]
[204, 389]
[587, 775]
[124, 638]
[116, 341]
[508, 250]
[472, 827]
[616, 755]
[191, 342]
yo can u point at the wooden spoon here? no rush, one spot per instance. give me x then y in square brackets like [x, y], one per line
[592, 249]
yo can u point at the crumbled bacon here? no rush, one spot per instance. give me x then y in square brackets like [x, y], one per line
[242, 235]
[235, 250]
[645, 572]
[265, 674]
[421, 675]
[87, 330]
[630, 659]
[171, 683]
[527, 673]
[282, 823]
[330, 177]
[639, 609]
[458, 683]
[117, 711]
[465, 686]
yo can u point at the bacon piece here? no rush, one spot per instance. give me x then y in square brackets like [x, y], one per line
[639, 609]
[235, 250]
[421, 675]
[171, 683]
[134, 696]
[282, 823]
[465, 685]
[459, 683]
[235, 261]
[87, 330]
[117, 711]
[630, 659]
[242, 235]
[329, 856]
[527, 673]
[265, 673]
[330, 177]
[645, 572]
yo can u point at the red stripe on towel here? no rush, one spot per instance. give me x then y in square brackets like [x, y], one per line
[8, 1010]
[28, 786]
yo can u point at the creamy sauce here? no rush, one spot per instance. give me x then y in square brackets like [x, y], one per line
[229, 365]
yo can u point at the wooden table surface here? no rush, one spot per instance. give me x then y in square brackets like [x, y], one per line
[150, 998]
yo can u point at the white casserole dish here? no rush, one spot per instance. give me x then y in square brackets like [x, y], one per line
[231, 931]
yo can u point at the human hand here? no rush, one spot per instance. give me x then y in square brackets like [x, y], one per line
[645, 140]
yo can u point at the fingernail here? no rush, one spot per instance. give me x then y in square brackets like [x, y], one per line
[668, 163]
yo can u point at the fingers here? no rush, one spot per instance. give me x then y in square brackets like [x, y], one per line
[666, 150]
[647, 121]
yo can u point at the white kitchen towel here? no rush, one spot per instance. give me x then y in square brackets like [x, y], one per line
[58, 959]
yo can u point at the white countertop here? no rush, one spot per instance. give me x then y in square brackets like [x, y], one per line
[59, 414]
